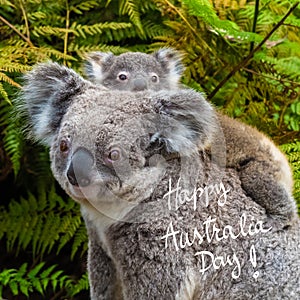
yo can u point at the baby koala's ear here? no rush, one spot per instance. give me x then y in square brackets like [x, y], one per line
[95, 64]
[171, 61]
[45, 97]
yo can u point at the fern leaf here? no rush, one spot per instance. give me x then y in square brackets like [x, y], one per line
[23, 281]
[6, 3]
[72, 227]
[81, 285]
[4, 94]
[130, 7]
[99, 28]
[5, 78]
[292, 151]
[13, 145]
[41, 223]
[82, 7]
[80, 240]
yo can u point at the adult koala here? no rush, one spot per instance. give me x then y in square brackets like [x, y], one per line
[164, 221]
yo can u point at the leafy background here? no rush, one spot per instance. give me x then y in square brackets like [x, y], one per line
[43, 241]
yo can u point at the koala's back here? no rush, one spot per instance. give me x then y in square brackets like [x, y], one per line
[244, 143]
[263, 169]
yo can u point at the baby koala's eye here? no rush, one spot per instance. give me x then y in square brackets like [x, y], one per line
[123, 76]
[154, 78]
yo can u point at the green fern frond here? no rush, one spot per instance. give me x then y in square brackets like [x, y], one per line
[287, 66]
[147, 6]
[82, 50]
[42, 17]
[98, 28]
[154, 30]
[39, 279]
[73, 228]
[80, 240]
[81, 285]
[292, 150]
[292, 147]
[130, 8]
[50, 30]
[36, 16]
[44, 53]
[13, 145]
[41, 223]
[6, 3]
[4, 94]
[8, 66]
[82, 7]
[5, 78]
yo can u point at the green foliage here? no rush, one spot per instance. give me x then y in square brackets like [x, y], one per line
[81, 285]
[203, 9]
[292, 151]
[214, 36]
[25, 281]
[292, 116]
[12, 143]
[42, 223]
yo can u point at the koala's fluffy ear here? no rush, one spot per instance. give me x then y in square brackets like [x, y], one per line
[171, 61]
[45, 97]
[186, 121]
[94, 64]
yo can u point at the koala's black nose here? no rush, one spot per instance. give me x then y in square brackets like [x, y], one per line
[139, 84]
[80, 168]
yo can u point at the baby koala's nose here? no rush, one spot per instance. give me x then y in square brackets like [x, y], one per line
[139, 84]
[79, 171]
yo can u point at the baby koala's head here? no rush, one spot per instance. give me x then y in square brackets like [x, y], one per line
[135, 71]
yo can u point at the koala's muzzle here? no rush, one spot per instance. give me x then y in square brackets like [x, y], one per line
[80, 168]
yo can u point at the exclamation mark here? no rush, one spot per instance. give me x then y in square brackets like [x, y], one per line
[253, 260]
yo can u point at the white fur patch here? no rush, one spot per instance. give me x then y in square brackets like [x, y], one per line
[41, 125]
[187, 289]
[286, 177]
[96, 59]
[105, 215]
[97, 72]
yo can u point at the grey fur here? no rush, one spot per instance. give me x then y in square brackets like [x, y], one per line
[125, 208]
[263, 170]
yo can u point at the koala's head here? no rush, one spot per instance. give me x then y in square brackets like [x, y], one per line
[111, 146]
[135, 71]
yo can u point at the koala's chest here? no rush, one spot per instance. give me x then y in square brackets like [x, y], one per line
[99, 223]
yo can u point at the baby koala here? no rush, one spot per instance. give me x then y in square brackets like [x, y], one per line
[135, 71]
[263, 169]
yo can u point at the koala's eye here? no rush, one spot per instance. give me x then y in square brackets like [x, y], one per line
[114, 155]
[64, 146]
[123, 76]
[154, 78]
